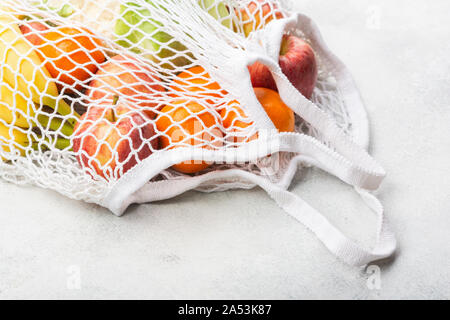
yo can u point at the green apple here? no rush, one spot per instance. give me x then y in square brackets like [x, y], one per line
[218, 10]
[137, 29]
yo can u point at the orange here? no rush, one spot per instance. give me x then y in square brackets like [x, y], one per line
[185, 124]
[197, 83]
[281, 115]
[71, 54]
[234, 117]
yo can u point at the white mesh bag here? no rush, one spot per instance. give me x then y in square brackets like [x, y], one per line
[116, 102]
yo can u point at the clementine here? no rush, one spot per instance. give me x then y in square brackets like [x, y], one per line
[236, 121]
[197, 83]
[71, 54]
[188, 124]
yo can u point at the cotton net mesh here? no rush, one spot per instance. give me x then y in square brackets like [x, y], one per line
[92, 88]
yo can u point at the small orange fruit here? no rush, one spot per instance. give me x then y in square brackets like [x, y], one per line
[71, 54]
[281, 115]
[197, 83]
[234, 117]
[188, 124]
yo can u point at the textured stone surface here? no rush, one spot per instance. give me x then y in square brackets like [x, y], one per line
[239, 244]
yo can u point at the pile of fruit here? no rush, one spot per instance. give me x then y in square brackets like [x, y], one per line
[126, 121]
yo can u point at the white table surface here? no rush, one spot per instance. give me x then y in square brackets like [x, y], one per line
[239, 244]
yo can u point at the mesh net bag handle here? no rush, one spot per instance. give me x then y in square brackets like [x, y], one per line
[344, 248]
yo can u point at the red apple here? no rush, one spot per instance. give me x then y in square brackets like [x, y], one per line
[123, 76]
[111, 140]
[298, 63]
[257, 14]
